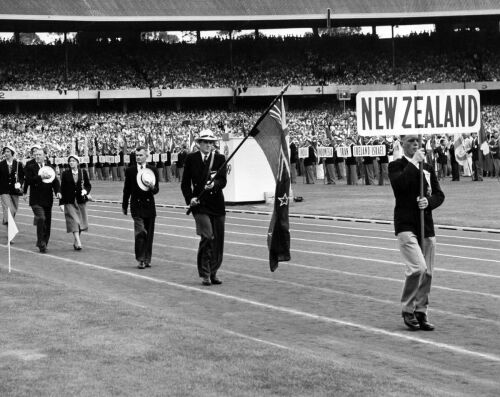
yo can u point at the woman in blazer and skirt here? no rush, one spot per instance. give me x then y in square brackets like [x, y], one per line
[75, 186]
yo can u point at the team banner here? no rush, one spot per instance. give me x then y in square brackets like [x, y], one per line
[164, 157]
[344, 151]
[368, 151]
[325, 151]
[303, 152]
[418, 112]
[174, 157]
[126, 158]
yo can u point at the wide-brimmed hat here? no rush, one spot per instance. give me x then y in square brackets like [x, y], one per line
[145, 175]
[72, 156]
[47, 170]
[11, 148]
[206, 135]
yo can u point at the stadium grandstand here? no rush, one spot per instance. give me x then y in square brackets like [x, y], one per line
[111, 82]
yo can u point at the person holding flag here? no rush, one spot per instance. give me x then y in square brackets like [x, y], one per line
[203, 179]
[417, 251]
[11, 180]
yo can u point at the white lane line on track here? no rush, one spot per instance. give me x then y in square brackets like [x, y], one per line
[309, 267]
[330, 218]
[113, 206]
[292, 222]
[365, 259]
[282, 309]
[290, 283]
[312, 232]
[324, 241]
[308, 231]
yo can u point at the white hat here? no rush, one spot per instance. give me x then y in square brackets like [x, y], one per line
[206, 135]
[10, 147]
[47, 172]
[145, 175]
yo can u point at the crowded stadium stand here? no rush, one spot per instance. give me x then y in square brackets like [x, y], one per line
[109, 88]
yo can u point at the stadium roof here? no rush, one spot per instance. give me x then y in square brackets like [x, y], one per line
[73, 15]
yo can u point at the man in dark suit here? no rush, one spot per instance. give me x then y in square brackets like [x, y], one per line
[11, 180]
[142, 205]
[206, 200]
[419, 260]
[42, 188]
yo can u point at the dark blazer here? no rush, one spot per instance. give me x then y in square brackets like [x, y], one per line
[442, 157]
[25, 187]
[195, 178]
[40, 193]
[71, 191]
[142, 203]
[8, 180]
[311, 159]
[405, 181]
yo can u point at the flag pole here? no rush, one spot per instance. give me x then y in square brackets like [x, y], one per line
[243, 141]
[8, 249]
[421, 172]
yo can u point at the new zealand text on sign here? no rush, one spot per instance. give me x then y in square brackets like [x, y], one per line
[418, 112]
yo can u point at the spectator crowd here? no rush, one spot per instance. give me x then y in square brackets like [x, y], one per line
[117, 134]
[250, 62]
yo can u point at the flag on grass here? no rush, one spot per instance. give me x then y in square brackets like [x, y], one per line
[12, 227]
[271, 135]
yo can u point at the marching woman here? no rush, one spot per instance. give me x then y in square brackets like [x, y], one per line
[75, 187]
[11, 180]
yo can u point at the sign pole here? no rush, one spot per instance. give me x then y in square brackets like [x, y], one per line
[421, 172]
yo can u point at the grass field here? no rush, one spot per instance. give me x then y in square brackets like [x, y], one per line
[325, 324]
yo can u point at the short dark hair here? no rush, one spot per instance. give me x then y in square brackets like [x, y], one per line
[139, 148]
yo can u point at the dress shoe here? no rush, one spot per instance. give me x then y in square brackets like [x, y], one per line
[424, 323]
[410, 321]
[147, 264]
[206, 281]
[77, 247]
[215, 280]
[43, 250]
[141, 265]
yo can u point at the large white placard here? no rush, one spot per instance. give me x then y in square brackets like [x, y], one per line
[418, 112]
[174, 157]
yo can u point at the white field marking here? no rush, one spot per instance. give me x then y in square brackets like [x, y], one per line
[282, 309]
[353, 274]
[476, 274]
[309, 231]
[273, 280]
[265, 342]
[307, 224]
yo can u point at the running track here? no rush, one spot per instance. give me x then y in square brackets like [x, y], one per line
[338, 297]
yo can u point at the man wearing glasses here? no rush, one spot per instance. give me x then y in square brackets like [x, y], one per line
[419, 260]
[202, 190]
